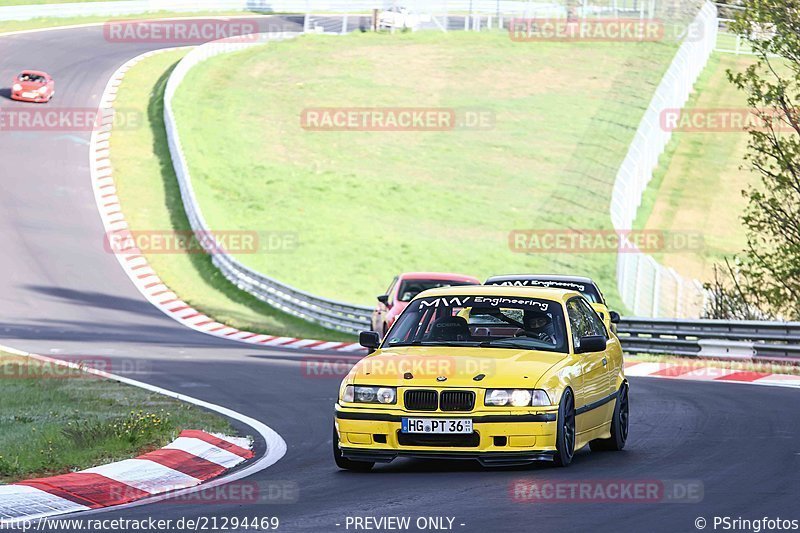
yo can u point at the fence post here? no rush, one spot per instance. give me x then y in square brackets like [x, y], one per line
[344, 24]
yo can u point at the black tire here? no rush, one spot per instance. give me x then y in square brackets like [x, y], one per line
[344, 463]
[565, 435]
[619, 425]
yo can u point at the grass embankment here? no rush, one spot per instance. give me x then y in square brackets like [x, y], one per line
[54, 420]
[150, 198]
[367, 205]
[697, 186]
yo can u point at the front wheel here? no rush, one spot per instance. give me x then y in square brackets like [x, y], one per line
[619, 425]
[565, 435]
[345, 463]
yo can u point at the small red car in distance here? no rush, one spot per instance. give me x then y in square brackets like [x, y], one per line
[33, 86]
[404, 288]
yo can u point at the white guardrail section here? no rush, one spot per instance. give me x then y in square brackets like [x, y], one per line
[329, 313]
[647, 288]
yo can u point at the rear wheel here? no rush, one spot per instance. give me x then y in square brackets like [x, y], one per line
[619, 425]
[565, 435]
[344, 463]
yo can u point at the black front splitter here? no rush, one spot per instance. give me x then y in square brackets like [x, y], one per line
[485, 458]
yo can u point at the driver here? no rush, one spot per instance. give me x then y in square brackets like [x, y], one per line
[537, 325]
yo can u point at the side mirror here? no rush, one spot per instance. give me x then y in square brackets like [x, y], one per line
[369, 340]
[384, 299]
[592, 343]
[614, 316]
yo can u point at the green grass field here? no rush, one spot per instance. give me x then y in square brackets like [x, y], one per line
[54, 420]
[698, 184]
[150, 198]
[367, 205]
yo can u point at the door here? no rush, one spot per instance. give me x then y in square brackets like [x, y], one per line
[590, 411]
[607, 385]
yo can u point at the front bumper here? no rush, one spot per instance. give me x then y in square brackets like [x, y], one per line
[21, 96]
[498, 438]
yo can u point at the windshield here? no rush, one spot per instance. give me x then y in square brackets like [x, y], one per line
[411, 287]
[485, 321]
[589, 290]
[29, 77]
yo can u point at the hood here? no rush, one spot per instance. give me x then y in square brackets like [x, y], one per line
[30, 85]
[500, 367]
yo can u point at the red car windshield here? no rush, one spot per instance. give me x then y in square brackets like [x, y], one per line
[32, 78]
[411, 287]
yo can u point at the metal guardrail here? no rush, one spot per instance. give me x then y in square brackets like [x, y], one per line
[745, 339]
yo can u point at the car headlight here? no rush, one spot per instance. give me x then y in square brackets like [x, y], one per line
[360, 394]
[17, 87]
[42, 90]
[516, 398]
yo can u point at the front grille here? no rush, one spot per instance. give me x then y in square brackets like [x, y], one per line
[420, 400]
[457, 400]
[469, 440]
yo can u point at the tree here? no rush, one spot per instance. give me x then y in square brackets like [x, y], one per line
[769, 274]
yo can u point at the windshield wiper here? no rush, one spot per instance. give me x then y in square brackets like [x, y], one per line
[511, 343]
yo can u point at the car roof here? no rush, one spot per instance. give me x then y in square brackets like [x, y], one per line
[540, 277]
[438, 276]
[36, 72]
[544, 293]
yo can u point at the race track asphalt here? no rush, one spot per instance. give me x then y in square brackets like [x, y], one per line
[62, 294]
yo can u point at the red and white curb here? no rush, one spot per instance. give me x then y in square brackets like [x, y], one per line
[135, 264]
[191, 459]
[697, 372]
[216, 449]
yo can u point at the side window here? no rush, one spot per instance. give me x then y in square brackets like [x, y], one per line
[577, 322]
[594, 323]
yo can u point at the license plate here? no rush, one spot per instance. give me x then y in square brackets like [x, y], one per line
[436, 425]
[29, 95]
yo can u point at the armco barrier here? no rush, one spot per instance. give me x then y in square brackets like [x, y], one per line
[732, 339]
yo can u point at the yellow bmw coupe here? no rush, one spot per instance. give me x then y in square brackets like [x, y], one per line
[502, 375]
